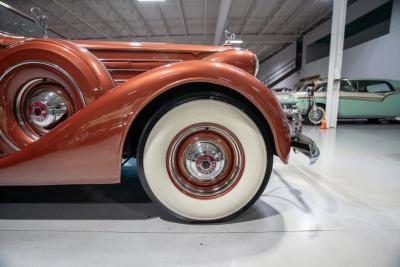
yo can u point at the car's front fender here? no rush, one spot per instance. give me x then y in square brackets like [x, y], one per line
[87, 147]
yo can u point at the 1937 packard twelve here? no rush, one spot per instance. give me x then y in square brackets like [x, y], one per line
[202, 128]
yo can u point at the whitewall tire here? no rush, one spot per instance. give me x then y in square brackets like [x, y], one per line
[315, 118]
[204, 159]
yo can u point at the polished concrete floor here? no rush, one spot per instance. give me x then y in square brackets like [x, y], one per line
[342, 211]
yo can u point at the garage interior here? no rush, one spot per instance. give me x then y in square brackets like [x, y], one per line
[342, 211]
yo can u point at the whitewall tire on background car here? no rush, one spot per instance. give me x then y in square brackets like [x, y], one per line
[204, 158]
[315, 117]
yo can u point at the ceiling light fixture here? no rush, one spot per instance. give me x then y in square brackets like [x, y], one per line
[151, 0]
[236, 41]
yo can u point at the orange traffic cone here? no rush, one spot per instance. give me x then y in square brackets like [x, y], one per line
[323, 124]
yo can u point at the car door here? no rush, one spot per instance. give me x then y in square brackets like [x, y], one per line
[373, 99]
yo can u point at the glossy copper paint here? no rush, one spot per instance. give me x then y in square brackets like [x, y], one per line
[34, 58]
[6, 40]
[87, 147]
[243, 59]
[125, 60]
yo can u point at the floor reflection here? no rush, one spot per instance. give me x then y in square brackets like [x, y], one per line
[302, 204]
[128, 191]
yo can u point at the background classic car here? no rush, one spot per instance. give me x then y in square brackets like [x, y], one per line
[361, 99]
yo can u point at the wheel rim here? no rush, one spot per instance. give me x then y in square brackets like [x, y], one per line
[315, 116]
[41, 105]
[205, 160]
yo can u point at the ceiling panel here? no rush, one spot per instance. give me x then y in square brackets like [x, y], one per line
[266, 26]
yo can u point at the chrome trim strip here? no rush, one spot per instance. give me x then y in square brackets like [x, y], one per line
[120, 80]
[138, 60]
[18, 110]
[113, 70]
[8, 141]
[257, 66]
[378, 97]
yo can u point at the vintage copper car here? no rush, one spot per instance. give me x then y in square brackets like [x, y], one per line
[202, 128]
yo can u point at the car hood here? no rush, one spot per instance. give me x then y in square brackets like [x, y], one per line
[126, 60]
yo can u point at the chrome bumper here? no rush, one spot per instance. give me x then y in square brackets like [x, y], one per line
[300, 142]
[305, 145]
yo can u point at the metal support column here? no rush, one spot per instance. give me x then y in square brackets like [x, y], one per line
[335, 62]
[223, 13]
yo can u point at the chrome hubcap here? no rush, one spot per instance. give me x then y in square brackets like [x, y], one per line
[46, 109]
[205, 160]
[41, 105]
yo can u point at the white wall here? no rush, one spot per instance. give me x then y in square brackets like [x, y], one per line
[377, 58]
[395, 22]
[289, 81]
[277, 61]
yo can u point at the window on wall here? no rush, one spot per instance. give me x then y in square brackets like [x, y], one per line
[367, 27]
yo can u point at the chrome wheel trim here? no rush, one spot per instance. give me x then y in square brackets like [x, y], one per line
[49, 102]
[18, 108]
[205, 160]
[47, 108]
[206, 185]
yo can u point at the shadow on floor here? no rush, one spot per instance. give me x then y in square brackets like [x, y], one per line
[124, 201]
[113, 211]
[365, 121]
[126, 192]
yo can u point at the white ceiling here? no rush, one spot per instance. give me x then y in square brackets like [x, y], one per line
[266, 26]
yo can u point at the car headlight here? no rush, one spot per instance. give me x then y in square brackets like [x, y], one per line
[257, 65]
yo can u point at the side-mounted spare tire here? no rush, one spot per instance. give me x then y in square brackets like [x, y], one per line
[43, 82]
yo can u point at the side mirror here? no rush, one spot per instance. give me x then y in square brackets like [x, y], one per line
[40, 19]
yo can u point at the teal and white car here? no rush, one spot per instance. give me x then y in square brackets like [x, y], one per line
[358, 99]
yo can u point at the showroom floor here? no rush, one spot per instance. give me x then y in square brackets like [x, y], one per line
[342, 211]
